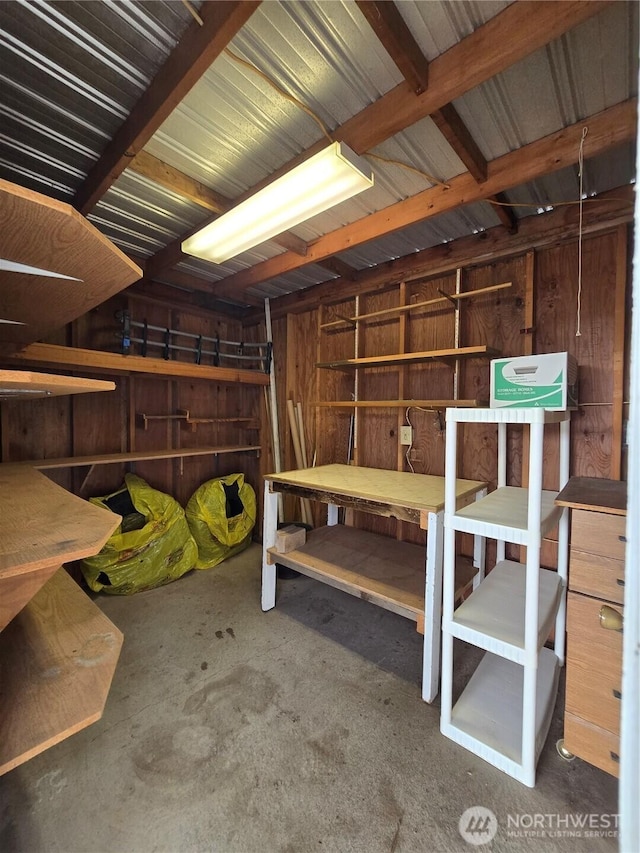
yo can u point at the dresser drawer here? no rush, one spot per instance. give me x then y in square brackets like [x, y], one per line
[602, 577]
[598, 533]
[592, 744]
[594, 664]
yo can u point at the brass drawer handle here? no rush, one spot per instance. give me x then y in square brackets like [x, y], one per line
[610, 619]
[616, 694]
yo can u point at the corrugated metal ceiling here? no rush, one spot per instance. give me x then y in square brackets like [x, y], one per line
[72, 71]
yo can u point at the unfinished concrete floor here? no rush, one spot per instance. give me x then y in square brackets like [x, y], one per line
[302, 729]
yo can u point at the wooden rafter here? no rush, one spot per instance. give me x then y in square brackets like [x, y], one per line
[339, 267]
[457, 135]
[461, 68]
[173, 179]
[396, 37]
[193, 55]
[504, 213]
[607, 211]
[607, 129]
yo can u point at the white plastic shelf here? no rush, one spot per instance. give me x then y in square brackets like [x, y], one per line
[509, 416]
[487, 718]
[503, 515]
[493, 617]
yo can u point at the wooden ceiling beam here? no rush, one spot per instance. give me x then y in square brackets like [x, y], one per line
[456, 133]
[486, 52]
[397, 39]
[605, 212]
[197, 49]
[339, 267]
[516, 32]
[504, 212]
[607, 129]
[173, 179]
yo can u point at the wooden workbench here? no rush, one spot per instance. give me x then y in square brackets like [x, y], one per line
[394, 575]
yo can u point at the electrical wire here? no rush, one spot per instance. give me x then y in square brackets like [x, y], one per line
[420, 172]
[322, 125]
[281, 91]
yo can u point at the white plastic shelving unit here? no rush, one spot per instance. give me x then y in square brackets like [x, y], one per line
[504, 712]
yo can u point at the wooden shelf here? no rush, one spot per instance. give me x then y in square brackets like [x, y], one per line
[38, 231]
[413, 306]
[41, 524]
[594, 493]
[381, 570]
[134, 456]
[15, 384]
[193, 422]
[399, 404]
[57, 659]
[411, 358]
[112, 362]
[41, 527]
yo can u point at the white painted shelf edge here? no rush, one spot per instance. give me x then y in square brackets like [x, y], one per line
[493, 617]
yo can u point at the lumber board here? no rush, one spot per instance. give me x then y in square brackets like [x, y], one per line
[40, 232]
[399, 404]
[57, 659]
[412, 357]
[110, 362]
[376, 568]
[135, 455]
[44, 525]
[395, 489]
[26, 383]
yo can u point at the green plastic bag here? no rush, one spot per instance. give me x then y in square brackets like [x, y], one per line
[221, 514]
[160, 551]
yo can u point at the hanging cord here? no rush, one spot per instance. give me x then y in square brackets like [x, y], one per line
[585, 130]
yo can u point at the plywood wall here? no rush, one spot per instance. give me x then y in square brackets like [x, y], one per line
[538, 313]
[112, 422]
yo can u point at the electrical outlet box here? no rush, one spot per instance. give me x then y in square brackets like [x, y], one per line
[406, 436]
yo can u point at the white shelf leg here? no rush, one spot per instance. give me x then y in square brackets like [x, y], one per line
[332, 515]
[433, 607]
[269, 529]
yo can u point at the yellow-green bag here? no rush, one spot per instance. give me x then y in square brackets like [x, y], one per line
[161, 551]
[221, 514]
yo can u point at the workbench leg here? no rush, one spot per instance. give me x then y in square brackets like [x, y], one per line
[269, 529]
[432, 607]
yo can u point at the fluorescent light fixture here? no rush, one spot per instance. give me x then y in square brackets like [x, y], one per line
[333, 175]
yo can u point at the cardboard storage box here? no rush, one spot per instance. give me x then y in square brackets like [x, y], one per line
[547, 381]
